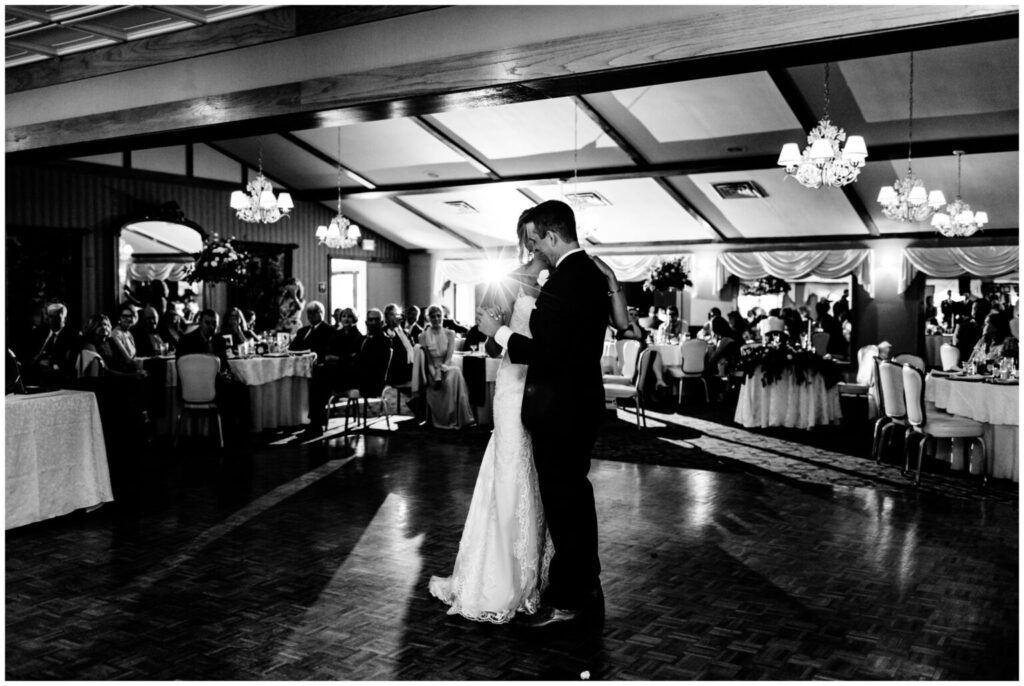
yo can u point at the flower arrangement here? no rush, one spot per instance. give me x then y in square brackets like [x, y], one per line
[803, 363]
[668, 275]
[769, 285]
[220, 261]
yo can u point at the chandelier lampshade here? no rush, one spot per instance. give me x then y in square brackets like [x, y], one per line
[340, 234]
[958, 220]
[257, 204]
[825, 161]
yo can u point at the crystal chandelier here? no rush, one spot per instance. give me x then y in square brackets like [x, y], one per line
[907, 200]
[257, 203]
[958, 220]
[822, 163]
[341, 234]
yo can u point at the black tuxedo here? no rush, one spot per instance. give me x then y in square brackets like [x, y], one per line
[563, 406]
[50, 359]
[145, 342]
[317, 340]
[192, 343]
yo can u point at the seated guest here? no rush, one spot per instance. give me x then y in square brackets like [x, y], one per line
[474, 337]
[726, 354]
[122, 339]
[232, 394]
[97, 337]
[412, 325]
[49, 355]
[831, 326]
[171, 328]
[447, 395]
[148, 341]
[371, 363]
[738, 325]
[651, 322]
[969, 329]
[633, 331]
[250, 320]
[707, 331]
[674, 327]
[336, 318]
[344, 347]
[794, 325]
[317, 337]
[235, 327]
[450, 323]
[773, 322]
[996, 342]
[400, 371]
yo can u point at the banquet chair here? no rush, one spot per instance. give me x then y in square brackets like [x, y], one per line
[865, 379]
[634, 391]
[892, 405]
[352, 396]
[819, 342]
[89, 364]
[694, 354]
[931, 424]
[628, 353]
[410, 389]
[950, 356]
[197, 376]
[913, 360]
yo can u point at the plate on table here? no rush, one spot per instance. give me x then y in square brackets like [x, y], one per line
[276, 355]
[1003, 382]
[943, 375]
[968, 377]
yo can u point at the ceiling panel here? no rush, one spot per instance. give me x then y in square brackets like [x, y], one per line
[287, 163]
[398, 224]
[392, 151]
[532, 137]
[989, 183]
[788, 211]
[640, 210]
[489, 221]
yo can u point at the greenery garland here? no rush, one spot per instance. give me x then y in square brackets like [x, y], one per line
[769, 285]
[220, 261]
[667, 275]
[804, 364]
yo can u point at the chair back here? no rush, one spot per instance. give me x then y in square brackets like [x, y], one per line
[197, 375]
[628, 354]
[89, 364]
[913, 360]
[913, 395]
[619, 346]
[693, 353]
[643, 367]
[890, 381]
[950, 356]
[866, 365]
[819, 342]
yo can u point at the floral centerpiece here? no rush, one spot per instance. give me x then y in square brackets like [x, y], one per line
[769, 285]
[220, 261]
[668, 275]
[774, 361]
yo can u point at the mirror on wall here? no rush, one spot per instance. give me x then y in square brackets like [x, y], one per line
[949, 302]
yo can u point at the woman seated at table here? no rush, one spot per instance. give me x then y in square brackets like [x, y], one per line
[447, 395]
[996, 342]
[235, 326]
[726, 353]
[122, 342]
[740, 327]
[171, 328]
[632, 331]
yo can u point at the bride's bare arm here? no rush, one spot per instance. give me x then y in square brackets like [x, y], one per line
[618, 316]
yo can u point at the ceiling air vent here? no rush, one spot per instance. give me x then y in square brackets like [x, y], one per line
[587, 199]
[739, 190]
[461, 207]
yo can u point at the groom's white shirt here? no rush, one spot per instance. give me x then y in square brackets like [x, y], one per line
[504, 333]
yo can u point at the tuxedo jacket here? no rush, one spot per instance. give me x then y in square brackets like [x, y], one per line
[192, 343]
[317, 340]
[64, 348]
[564, 387]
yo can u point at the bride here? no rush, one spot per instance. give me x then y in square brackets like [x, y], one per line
[504, 553]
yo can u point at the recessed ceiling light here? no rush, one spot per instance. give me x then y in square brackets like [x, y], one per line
[739, 190]
[587, 199]
[462, 207]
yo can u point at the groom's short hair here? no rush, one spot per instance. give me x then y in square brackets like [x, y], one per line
[554, 216]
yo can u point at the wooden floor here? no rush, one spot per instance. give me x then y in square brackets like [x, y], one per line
[727, 554]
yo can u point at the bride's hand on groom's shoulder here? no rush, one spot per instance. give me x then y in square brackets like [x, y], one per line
[489, 320]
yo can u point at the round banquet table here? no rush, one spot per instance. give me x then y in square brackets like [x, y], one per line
[787, 403]
[56, 459]
[996, 406]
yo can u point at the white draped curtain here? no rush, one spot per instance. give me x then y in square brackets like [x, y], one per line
[153, 271]
[797, 264]
[950, 262]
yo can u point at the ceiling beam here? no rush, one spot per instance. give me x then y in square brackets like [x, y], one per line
[715, 43]
[475, 160]
[324, 157]
[436, 224]
[248, 165]
[179, 12]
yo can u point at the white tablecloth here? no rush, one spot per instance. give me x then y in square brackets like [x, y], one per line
[670, 354]
[56, 458]
[787, 403]
[996, 406]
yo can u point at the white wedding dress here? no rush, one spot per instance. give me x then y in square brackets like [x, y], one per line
[504, 553]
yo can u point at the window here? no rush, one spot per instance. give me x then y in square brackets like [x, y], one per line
[348, 286]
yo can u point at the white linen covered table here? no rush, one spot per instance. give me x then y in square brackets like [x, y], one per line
[56, 459]
[996, 406]
[787, 403]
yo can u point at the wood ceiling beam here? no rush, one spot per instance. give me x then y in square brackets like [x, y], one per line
[324, 157]
[712, 44]
[247, 165]
[446, 139]
[179, 12]
[433, 222]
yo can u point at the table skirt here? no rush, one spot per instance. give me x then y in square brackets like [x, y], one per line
[787, 403]
[56, 459]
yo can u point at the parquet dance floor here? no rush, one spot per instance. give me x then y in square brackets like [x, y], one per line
[727, 554]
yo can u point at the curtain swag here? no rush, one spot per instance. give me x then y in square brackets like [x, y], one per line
[951, 262]
[797, 264]
[154, 271]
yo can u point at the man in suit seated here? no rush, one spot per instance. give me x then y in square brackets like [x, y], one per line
[400, 371]
[48, 357]
[371, 364]
[147, 340]
[232, 393]
[316, 337]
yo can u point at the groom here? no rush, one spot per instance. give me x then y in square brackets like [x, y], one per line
[563, 403]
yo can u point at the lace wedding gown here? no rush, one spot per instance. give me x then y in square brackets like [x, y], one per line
[504, 553]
